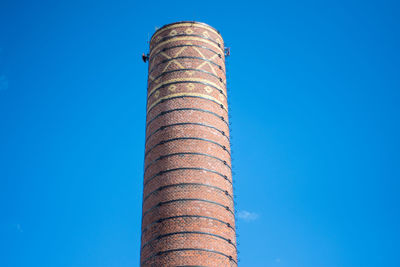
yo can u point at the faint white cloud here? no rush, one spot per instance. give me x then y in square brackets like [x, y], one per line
[3, 82]
[19, 228]
[278, 260]
[247, 215]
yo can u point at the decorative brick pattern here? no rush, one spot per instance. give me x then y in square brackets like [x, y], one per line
[188, 210]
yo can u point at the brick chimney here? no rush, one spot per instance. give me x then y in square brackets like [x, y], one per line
[188, 210]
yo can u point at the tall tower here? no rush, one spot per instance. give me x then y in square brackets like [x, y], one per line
[188, 211]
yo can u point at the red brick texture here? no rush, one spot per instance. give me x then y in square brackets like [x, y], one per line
[188, 211]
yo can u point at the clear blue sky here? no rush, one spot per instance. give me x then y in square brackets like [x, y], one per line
[315, 104]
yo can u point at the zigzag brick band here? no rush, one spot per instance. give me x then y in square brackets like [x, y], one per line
[188, 208]
[194, 39]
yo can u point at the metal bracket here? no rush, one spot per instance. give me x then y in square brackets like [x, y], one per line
[227, 51]
[145, 57]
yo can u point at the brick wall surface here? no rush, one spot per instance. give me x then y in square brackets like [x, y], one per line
[188, 211]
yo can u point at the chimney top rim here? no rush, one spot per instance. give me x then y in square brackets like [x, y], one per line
[182, 22]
